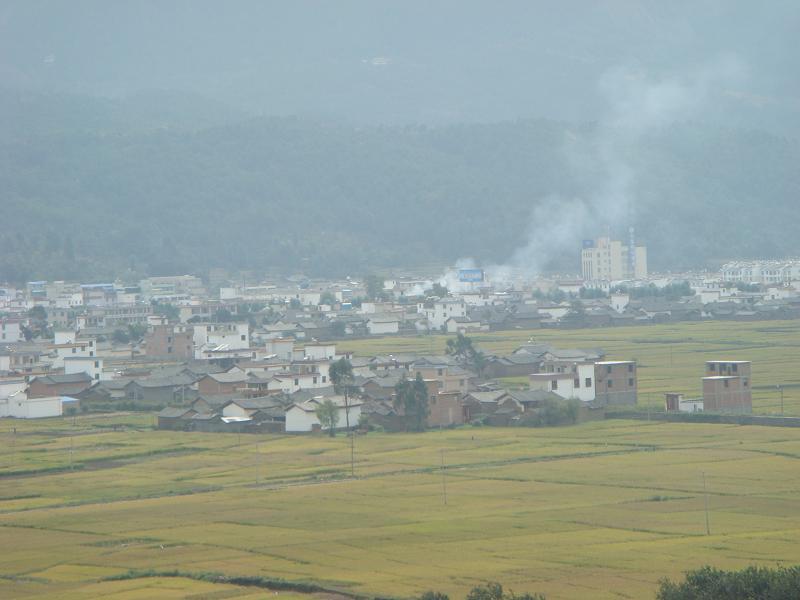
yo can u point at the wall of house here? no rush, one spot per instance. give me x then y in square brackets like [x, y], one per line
[616, 382]
[298, 420]
[31, 408]
[726, 394]
[92, 366]
[170, 341]
[383, 327]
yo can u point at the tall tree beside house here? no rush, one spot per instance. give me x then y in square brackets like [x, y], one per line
[412, 398]
[341, 376]
[437, 290]
[374, 285]
[328, 415]
[461, 349]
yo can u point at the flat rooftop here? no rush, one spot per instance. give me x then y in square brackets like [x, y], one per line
[733, 362]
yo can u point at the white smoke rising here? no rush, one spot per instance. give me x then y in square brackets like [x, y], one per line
[637, 105]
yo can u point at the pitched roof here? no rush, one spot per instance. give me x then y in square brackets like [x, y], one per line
[81, 377]
[174, 412]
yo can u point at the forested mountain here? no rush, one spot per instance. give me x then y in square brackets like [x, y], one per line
[109, 190]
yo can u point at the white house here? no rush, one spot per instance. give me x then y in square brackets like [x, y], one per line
[91, 365]
[302, 417]
[11, 386]
[83, 349]
[282, 348]
[442, 310]
[319, 351]
[10, 330]
[18, 405]
[578, 384]
[462, 325]
[383, 326]
[220, 336]
[619, 301]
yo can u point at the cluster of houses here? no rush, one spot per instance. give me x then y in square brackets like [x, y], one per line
[170, 342]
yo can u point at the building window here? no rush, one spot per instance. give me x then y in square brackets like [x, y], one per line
[297, 382]
[244, 337]
[576, 383]
[712, 367]
[74, 350]
[97, 375]
[610, 383]
[630, 368]
[324, 379]
[169, 349]
[440, 371]
[744, 382]
[735, 368]
[554, 384]
[630, 382]
[608, 369]
[588, 382]
[91, 352]
[96, 364]
[727, 383]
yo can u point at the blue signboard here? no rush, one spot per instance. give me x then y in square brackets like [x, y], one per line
[470, 275]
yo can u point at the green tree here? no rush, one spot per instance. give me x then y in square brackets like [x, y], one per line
[338, 329]
[431, 595]
[327, 298]
[412, 398]
[38, 313]
[374, 285]
[137, 331]
[120, 336]
[167, 310]
[494, 591]
[462, 349]
[328, 414]
[437, 290]
[341, 376]
[708, 583]
[459, 347]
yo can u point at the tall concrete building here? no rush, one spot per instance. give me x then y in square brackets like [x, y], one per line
[605, 259]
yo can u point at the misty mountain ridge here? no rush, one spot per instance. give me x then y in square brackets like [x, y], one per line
[131, 189]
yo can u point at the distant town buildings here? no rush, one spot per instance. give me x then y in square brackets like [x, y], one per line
[762, 271]
[605, 259]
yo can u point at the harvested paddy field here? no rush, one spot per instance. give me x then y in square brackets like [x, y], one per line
[598, 510]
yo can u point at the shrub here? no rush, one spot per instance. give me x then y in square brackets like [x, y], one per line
[708, 583]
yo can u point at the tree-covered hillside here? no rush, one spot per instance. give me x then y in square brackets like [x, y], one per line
[88, 196]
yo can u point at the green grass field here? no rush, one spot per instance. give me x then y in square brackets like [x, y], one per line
[671, 357]
[598, 510]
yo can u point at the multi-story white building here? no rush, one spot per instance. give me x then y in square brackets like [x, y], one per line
[220, 336]
[605, 259]
[761, 271]
[442, 310]
[10, 330]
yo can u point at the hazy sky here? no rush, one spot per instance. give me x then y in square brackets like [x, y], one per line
[405, 61]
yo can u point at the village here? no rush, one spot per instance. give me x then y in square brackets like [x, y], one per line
[216, 356]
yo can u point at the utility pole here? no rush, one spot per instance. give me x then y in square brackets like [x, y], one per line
[444, 481]
[705, 495]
